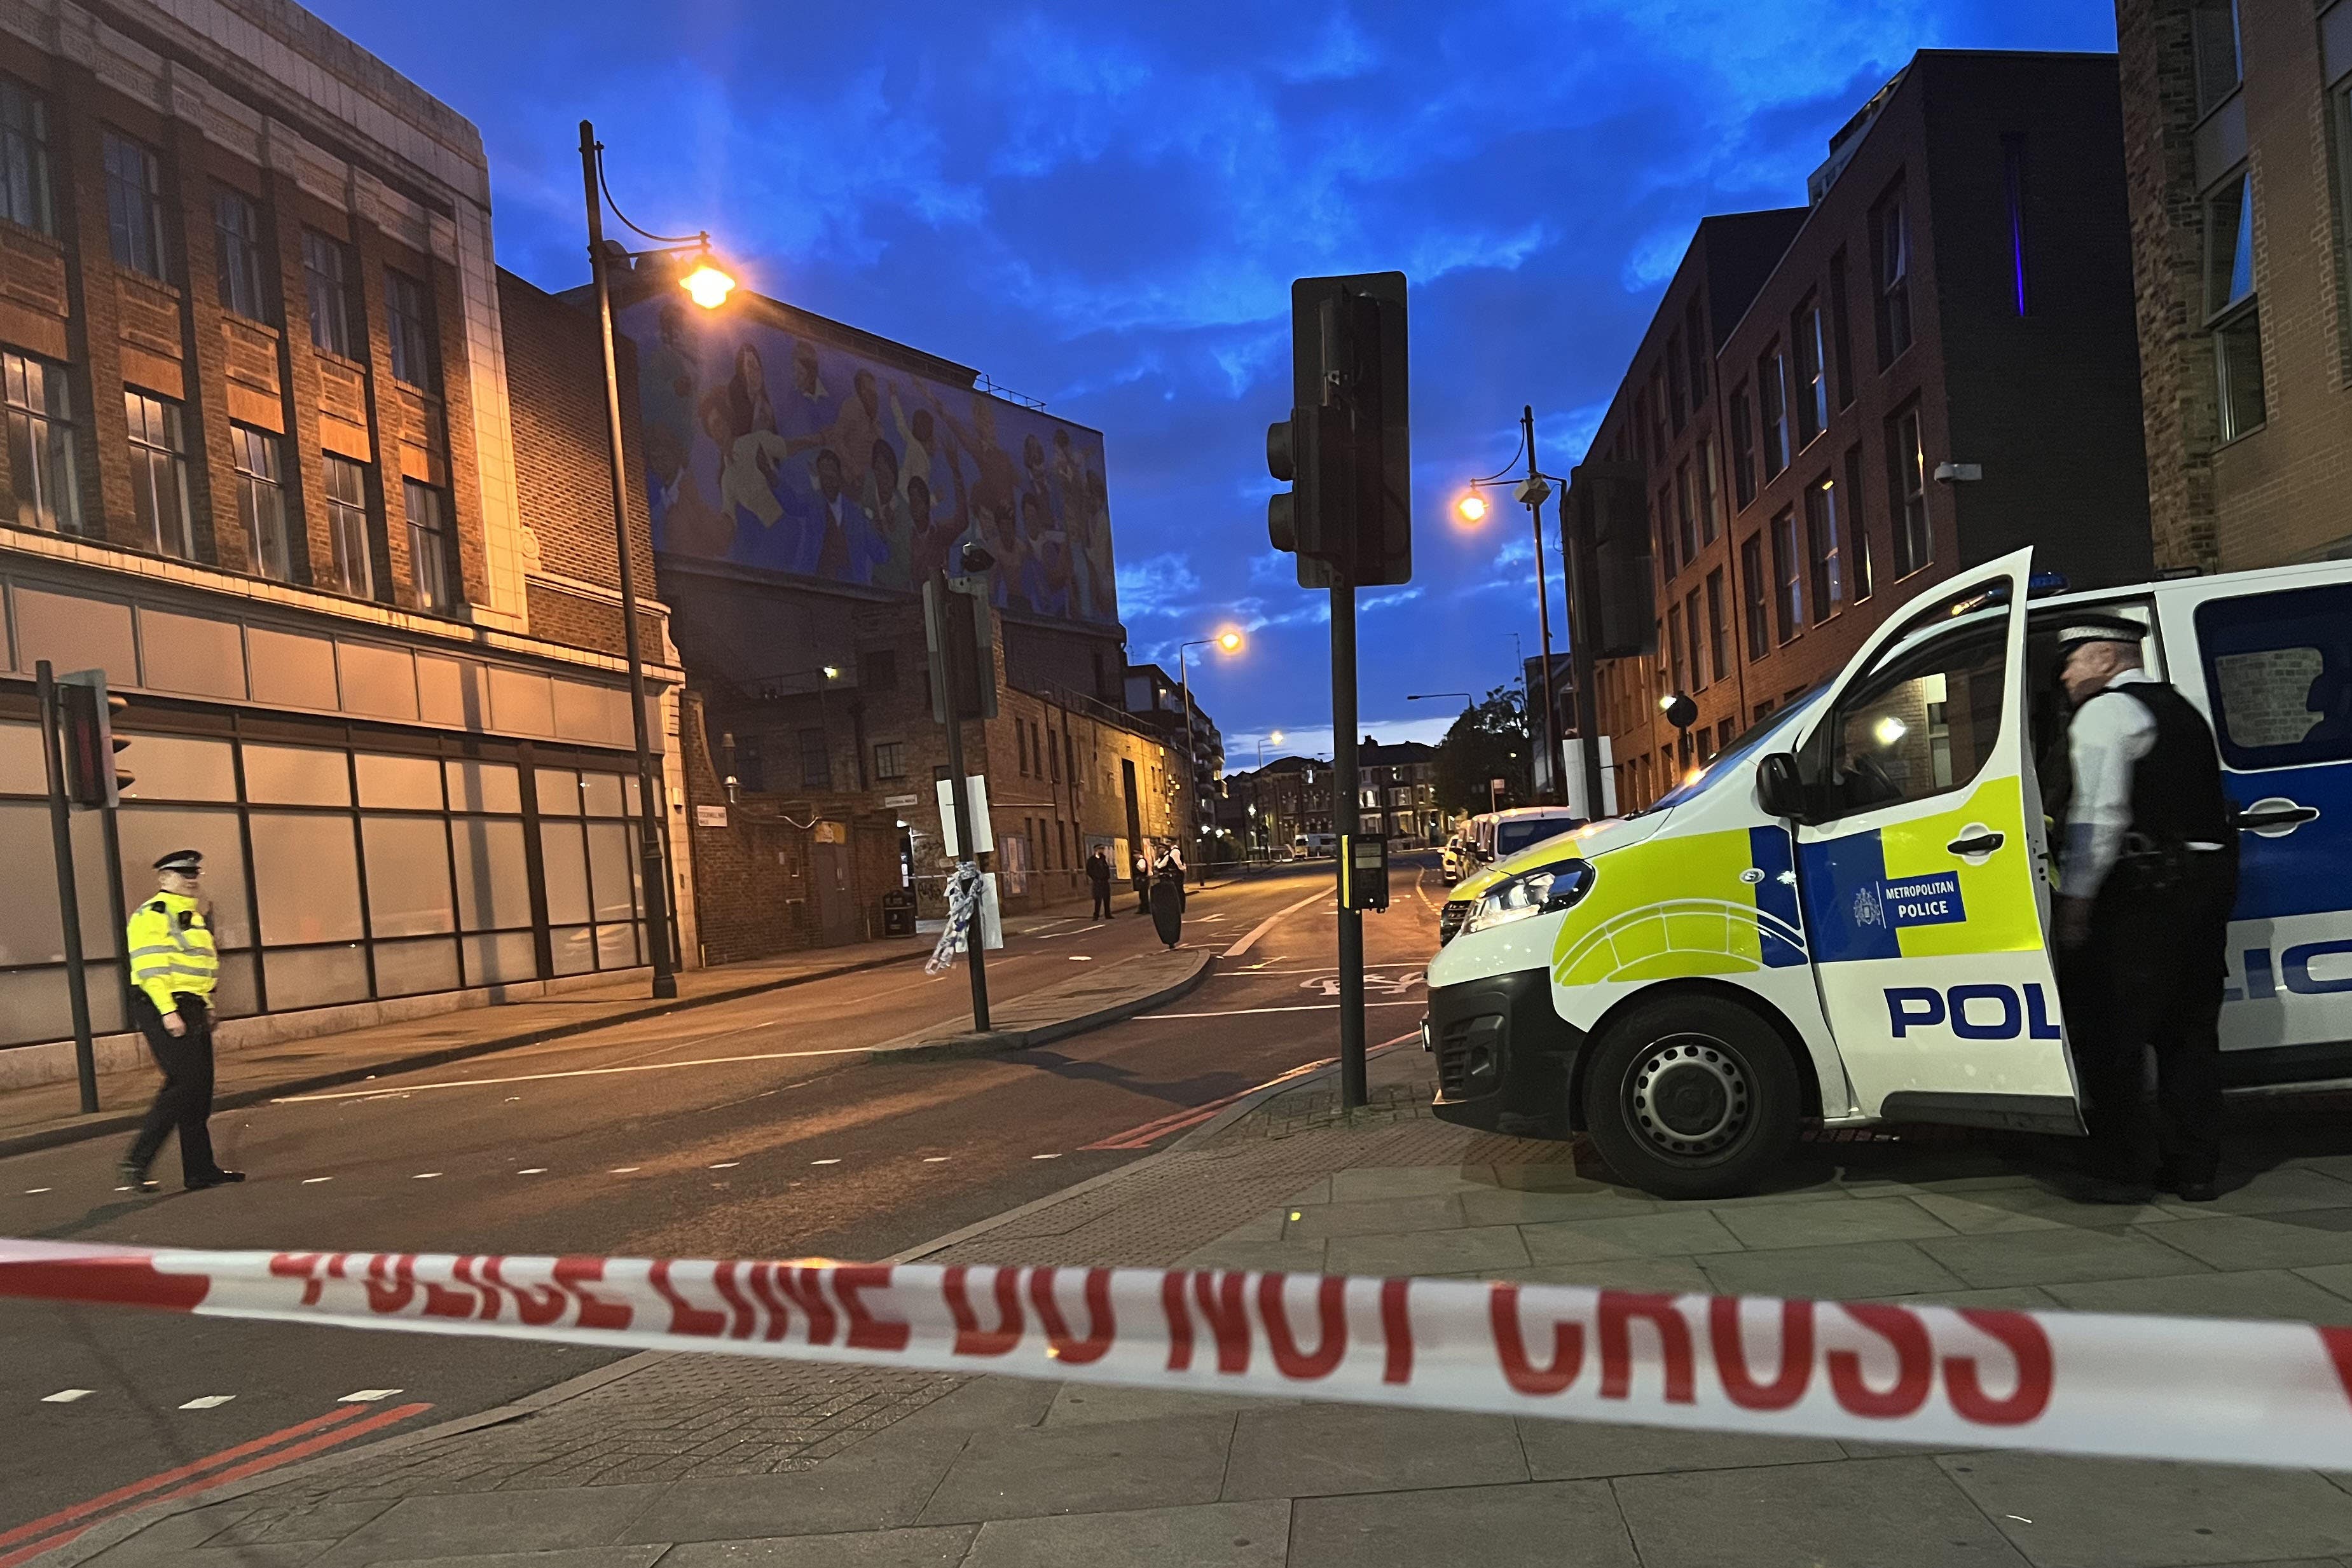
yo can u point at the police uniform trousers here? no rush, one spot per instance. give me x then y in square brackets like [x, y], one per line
[2145, 992]
[1102, 899]
[185, 1100]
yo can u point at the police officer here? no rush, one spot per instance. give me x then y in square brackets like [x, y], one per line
[174, 968]
[2149, 874]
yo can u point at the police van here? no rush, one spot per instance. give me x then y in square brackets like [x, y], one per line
[1497, 836]
[1846, 916]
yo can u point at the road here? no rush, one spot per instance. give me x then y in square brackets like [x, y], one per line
[726, 1129]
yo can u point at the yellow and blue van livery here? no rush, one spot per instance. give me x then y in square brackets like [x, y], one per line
[1844, 916]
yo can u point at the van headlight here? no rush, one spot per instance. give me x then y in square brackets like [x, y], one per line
[1541, 890]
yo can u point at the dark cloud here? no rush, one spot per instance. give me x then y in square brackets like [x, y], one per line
[1103, 206]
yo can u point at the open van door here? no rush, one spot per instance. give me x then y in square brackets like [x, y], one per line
[1920, 850]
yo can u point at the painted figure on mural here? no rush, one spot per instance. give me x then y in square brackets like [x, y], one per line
[885, 520]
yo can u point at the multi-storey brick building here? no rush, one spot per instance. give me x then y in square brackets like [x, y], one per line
[1930, 365]
[1280, 801]
[320, 490]
[1161, 704]
[2236, 120]
[1397, 784]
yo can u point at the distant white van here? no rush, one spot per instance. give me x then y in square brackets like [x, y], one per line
[1314, 846]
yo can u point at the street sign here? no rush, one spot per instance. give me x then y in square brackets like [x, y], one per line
[977, 784]
[710, 816]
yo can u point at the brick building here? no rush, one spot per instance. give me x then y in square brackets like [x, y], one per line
[273, 465]
[1280, 801]
[1160, 703]
[1957, 292]
[1397, 784]
[2235, 120]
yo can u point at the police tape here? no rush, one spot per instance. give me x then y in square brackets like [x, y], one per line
[2170, 1388]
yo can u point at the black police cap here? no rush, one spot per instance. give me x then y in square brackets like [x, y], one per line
[188, 862]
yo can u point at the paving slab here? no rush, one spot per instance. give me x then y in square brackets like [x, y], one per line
[1373, 1217]
[1296, 1256]
[2116, 1513]
[316, 1522]
[451, 1524]
[270, 1554]
[1550, 1524]
[1865, 1269]
[2274, 1241]
[1514, 1205]
[2066, 1256]
[982, 1405]
[2253, 1293]
[2284, 1190]
[874, 1486]
[1428, 1252]
[1860, 1513]
[1216, 1535]
[574, 1557]
[1678, 1233]
[171, 1539]
[1366, 1182]
[1679, 1275]
[1968, 1213]
[1323, 1449]
[1577, 1450]
[941, 1547]
[1084, 1469]
[1084, 1404]
[1829, 1225]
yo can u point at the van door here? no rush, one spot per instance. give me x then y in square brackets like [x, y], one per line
[1919, 866]
[2274, 663]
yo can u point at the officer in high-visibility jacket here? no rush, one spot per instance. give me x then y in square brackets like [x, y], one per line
[174, 968]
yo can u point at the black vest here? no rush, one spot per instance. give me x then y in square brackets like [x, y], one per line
[2176, 794]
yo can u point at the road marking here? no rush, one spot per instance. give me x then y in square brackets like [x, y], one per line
[724, 1165]
[836, 1161]
[68, 1524]
[367, 1395]
[66, 1395]
[1249, 1012]
[574, 1072]
[1045, 1157]
[423, 1175]
[34, 1192]
[935, 1159]
[208, 1402]
[514, 1099]
[1269, 923]
[623, 1170]
[1081, 958]
[314, 1181]
[533, 1171]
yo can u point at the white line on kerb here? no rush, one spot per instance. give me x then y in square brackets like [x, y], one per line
[1269, 923]
[573, 1072]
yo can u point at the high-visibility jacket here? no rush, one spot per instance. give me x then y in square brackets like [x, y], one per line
[171, 950]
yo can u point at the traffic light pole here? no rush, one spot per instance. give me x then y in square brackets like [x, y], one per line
[1347, 821]
[1550, 730]
[975, 947]
[68, 895]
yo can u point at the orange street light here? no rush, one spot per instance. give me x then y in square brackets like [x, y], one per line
[1471, 508]
[706, 284]
[1230, 641]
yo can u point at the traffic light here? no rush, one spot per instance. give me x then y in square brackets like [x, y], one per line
[86, 715]
[1346, 447]
[963, 638]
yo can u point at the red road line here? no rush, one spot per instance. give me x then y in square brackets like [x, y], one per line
[303, 1450]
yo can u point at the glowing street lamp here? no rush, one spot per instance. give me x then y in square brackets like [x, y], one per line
[707, 285]
[1471, 508]
[1230, 641]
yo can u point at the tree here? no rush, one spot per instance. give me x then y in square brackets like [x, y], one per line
[1488, 742]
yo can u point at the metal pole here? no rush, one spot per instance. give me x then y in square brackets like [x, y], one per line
[69, 894]
[1580, 658]
[1543, 617]
[975, 947]
[1192, 779]
[654, 805]
[1348, 819]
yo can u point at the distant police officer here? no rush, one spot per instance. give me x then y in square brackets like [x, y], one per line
[2149, 873]
[174, 969]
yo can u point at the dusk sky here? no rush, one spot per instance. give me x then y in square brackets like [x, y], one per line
[1103, 206]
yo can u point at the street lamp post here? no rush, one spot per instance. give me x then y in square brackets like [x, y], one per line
[708, 288]
[1230, 642]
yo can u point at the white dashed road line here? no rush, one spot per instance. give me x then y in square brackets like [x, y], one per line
[574, 1072]
[314, 1181]
[623, 1170]
[368, 1395]
[425, 1175]
[1269, 923]
[723, 1165]
[208, 1402]
[935, 1159]
[34, 1192]
[833, 1162]
[533, 1171]
[65, 1395]
[1045, 1157]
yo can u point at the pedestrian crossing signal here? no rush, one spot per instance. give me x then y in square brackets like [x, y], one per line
[94, 777]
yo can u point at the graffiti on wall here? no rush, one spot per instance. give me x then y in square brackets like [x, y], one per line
[769, 450]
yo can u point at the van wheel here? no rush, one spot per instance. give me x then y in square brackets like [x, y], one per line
[1692, 1097]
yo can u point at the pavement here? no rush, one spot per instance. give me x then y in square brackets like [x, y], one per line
[694, 1461]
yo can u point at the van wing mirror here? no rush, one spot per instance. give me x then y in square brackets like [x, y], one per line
[1780, 787]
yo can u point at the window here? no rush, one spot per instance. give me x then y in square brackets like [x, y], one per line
[1890, 243]
[890, 760]
[1052, 759]
[236, 246]
[25, 157]
[1685, 522]
[1743, 448]
[347, 527]
[1841, 331]
[1772, 376]
[2012, 193]
[1677, 394]
[430, 557]
[1924, 720]
[1719, 641]
[1658, 414]
[1906, 491]
[1812, 375]
[2232, 310]
[1641, 427]
[1857, 534]
[408, 318]
[326, 284]
[2280, 668]
[135, 205]
[1710, 493]
[1825, 568]
[1021, 744]
[159, 475]
[1675, 673]
[1788, 576]
[261, 502]
[1697, 648]
[816, 767]
[1695, 336]
[1752, 579]
[2213, 40]
[1665, 536]
[40, 443]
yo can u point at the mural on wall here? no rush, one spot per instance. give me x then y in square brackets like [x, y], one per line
[773, 450]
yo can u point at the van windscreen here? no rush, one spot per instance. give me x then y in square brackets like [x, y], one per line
[1510, 837]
